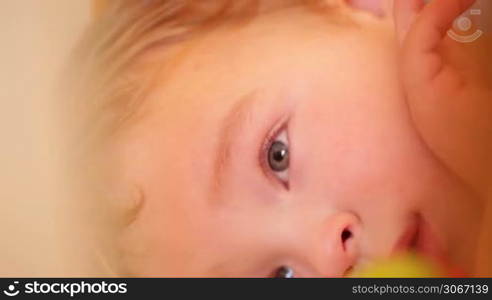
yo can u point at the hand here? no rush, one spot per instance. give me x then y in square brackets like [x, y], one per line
[448, 88]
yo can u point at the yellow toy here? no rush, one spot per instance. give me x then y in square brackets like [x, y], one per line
[405, 265]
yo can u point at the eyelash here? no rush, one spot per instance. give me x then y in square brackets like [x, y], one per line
[268, 142]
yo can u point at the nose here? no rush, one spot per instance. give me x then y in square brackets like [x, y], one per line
[338, 245]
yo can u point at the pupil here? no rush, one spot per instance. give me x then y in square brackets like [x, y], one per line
[284, 272]
[278, 156]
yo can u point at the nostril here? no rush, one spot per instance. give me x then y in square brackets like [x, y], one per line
[346, 236]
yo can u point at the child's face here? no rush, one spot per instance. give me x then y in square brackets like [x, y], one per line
[222, 198]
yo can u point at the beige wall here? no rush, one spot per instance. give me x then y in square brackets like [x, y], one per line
[36, 36]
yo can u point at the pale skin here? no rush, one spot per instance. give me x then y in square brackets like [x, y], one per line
[357, 162]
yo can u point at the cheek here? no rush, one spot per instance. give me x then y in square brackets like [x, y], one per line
[359, 151]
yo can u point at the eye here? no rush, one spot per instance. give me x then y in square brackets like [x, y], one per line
[278, 156]
[284, 272]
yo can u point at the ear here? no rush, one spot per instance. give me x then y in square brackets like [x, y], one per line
[377, 7]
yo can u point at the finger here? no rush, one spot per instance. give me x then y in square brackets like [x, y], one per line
[420, 56]
[405, 12]
[435, 20]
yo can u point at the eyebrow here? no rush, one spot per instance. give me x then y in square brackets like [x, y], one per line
[233, 123]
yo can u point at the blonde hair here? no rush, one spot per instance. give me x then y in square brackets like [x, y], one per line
[105, 63]
[105, 88]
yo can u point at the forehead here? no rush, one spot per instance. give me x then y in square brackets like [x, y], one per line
[271, 50]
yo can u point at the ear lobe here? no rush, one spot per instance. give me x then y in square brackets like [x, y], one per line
[376, 7]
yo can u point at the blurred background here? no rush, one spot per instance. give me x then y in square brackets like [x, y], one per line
[36, 40]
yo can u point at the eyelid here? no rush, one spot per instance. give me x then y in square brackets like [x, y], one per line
[277, 131]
